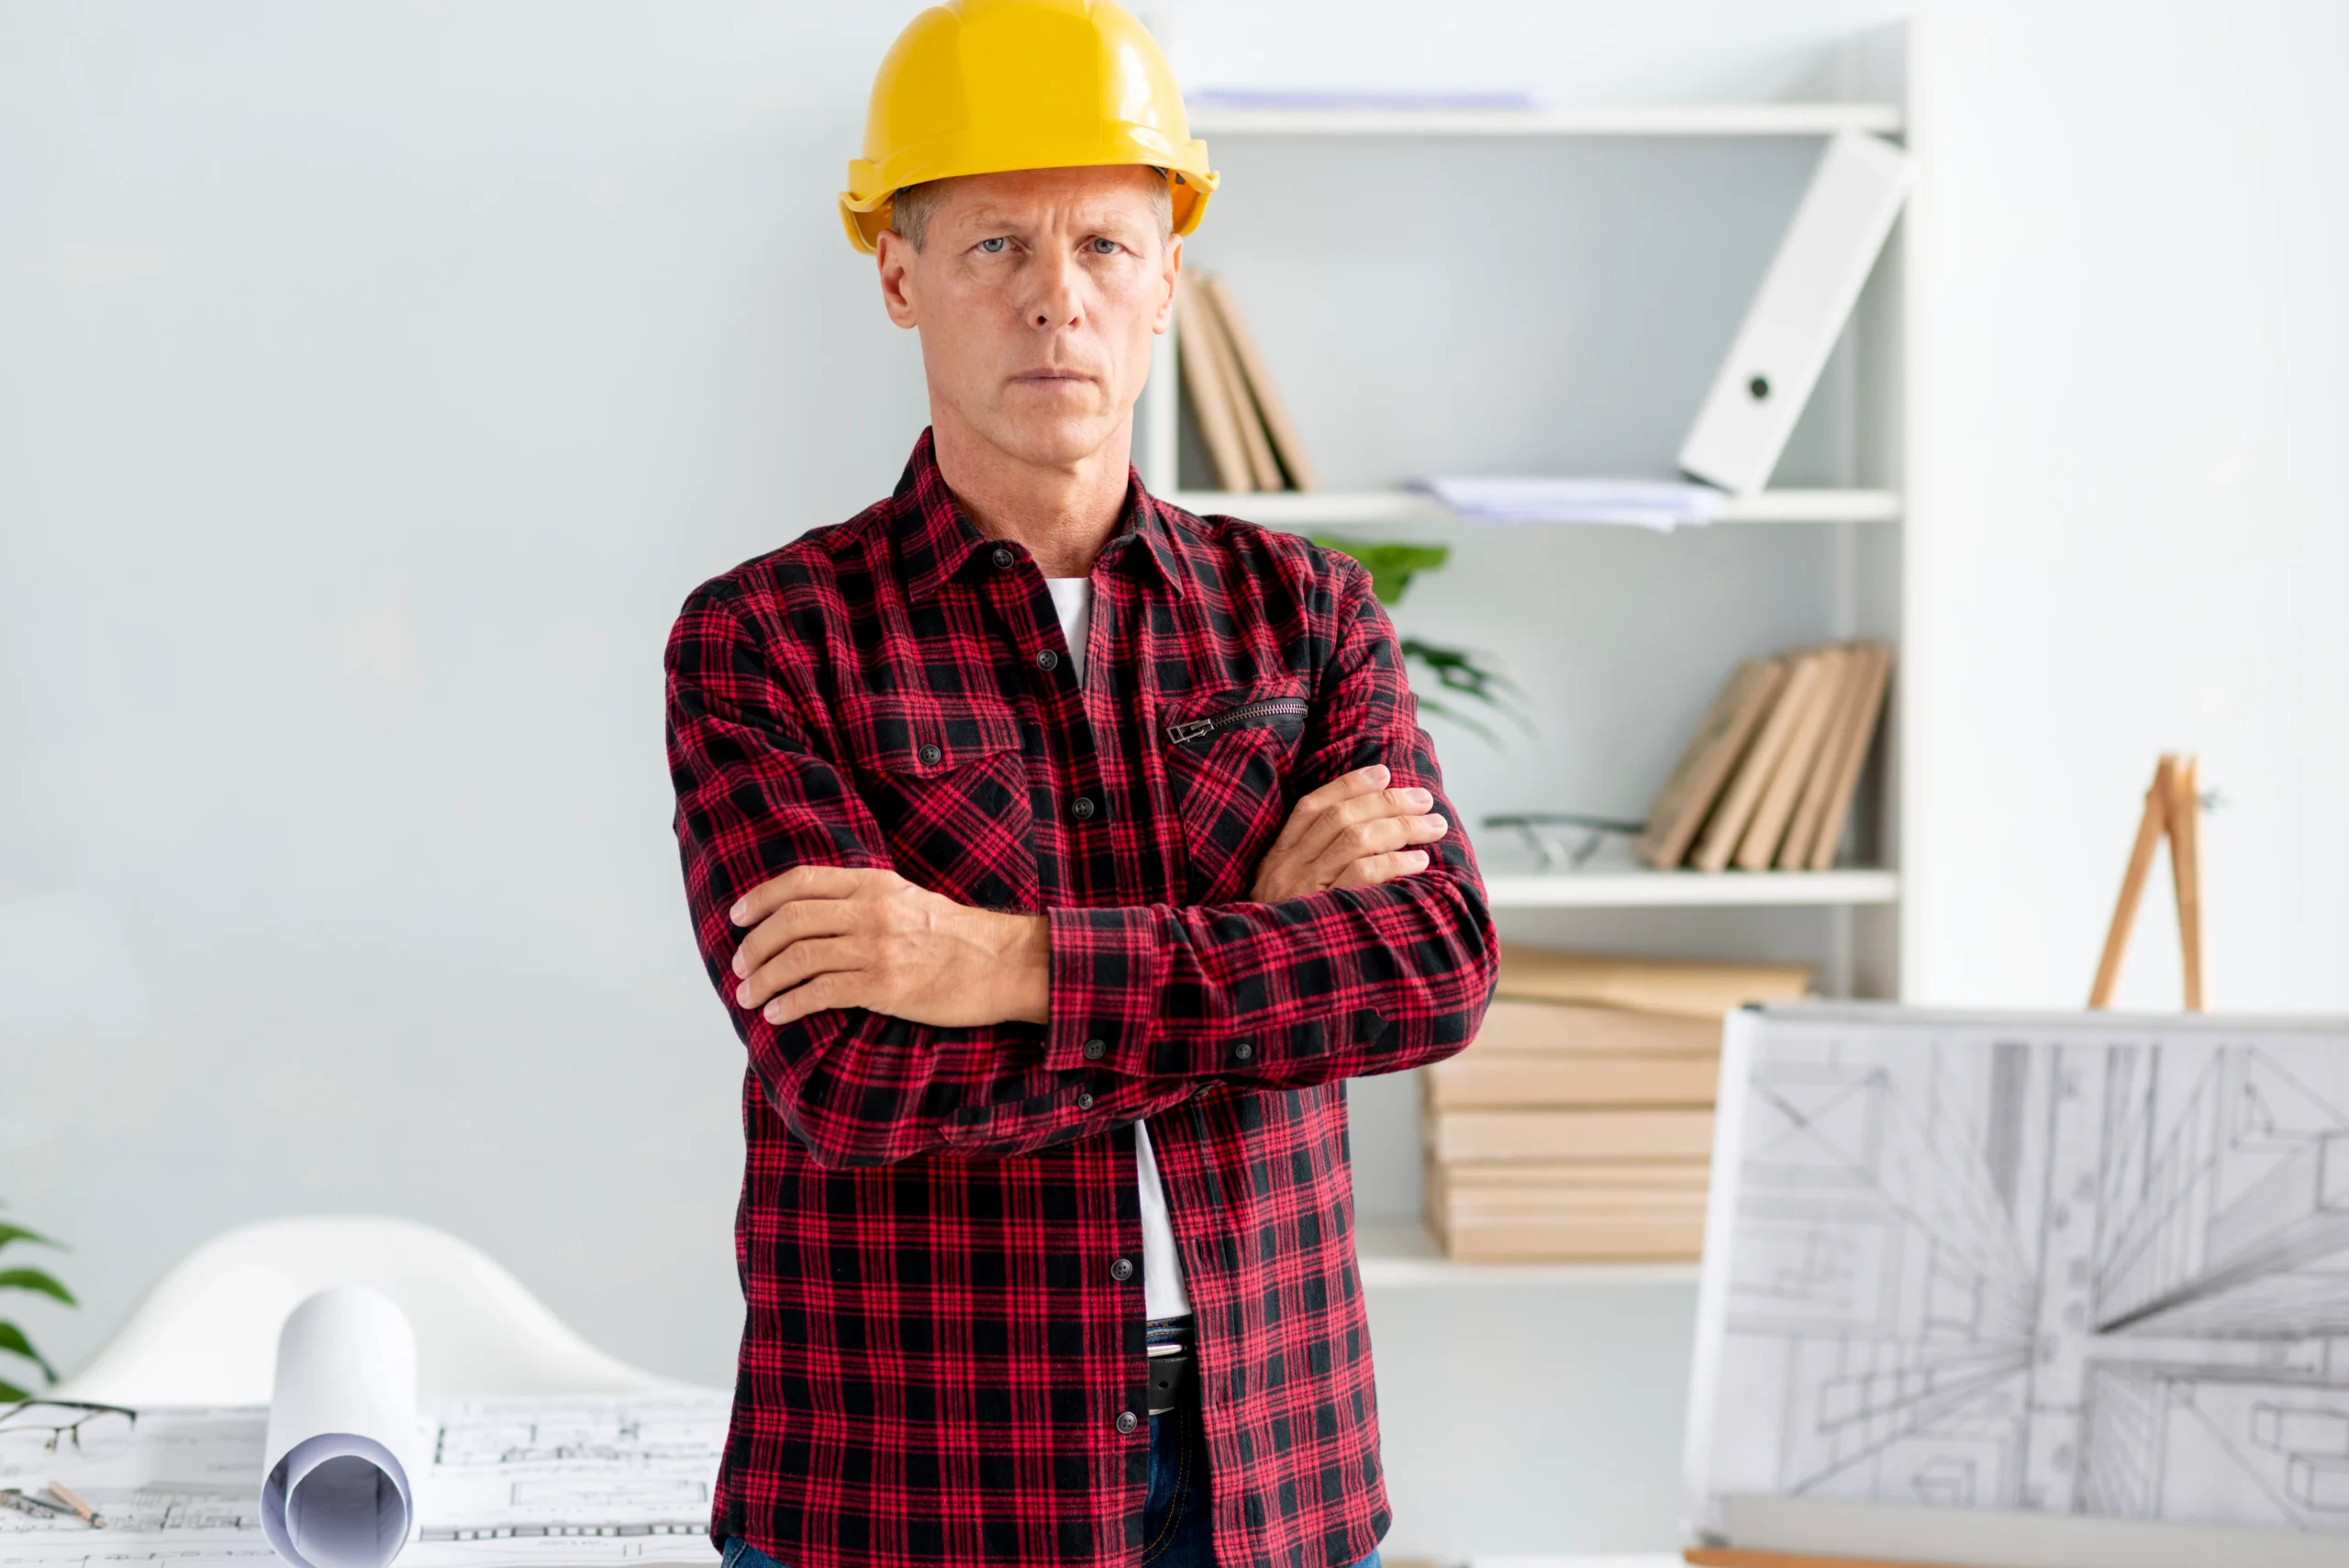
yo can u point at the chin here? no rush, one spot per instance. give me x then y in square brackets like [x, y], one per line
[1053, 440]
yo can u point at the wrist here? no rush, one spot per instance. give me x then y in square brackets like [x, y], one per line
[1025, 968]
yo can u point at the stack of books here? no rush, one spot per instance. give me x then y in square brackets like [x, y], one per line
[1769, 776]
[1578, 1124]
[1250, 440]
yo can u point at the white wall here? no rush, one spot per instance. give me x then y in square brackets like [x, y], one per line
[375, 382]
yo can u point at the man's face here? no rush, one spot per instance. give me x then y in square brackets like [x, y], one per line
[1036, 295]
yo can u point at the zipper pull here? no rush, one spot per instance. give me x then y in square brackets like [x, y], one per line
[1178, 733]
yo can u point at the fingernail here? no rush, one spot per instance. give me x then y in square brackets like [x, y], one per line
[741, 966]
[1376, 770]
[741, 914]
[1436, 819]
[741, 996]
[774, 1012]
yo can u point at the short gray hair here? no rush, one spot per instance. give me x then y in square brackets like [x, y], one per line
[912, 206]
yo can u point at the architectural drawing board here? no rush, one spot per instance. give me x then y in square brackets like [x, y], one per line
[2055, 1291]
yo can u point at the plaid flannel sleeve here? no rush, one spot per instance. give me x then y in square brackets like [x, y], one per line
[755, 797]
[1342, 983]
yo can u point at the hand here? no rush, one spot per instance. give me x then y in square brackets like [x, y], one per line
[1351, 832]
[830, 937]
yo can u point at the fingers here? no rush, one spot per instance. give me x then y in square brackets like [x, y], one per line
[825, 991]
[1351, 842]
[1309, 808]
[1373, 869]
[794, 922]
[797, 965]
[803, 881]
[1333, 821]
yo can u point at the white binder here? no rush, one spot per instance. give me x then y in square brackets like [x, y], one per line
[1805, 300]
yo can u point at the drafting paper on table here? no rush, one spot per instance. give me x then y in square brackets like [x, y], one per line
[597, 1482]
[2091, 1272]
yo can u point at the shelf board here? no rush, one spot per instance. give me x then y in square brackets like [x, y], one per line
[1623, 119]
[1305, 508]
[1402, 1253]
[1648, 889]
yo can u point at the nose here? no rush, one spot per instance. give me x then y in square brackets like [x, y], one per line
[1057, 300]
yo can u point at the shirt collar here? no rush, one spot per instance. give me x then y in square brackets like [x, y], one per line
[936, 539]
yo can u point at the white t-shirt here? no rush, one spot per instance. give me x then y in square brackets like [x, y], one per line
[1162, 1266]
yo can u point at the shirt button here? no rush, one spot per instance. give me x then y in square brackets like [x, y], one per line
[929, 755]
[1046, 659]
[1095, 1049]
[1128, 1420]
[1245, 1051]
[1003, 556]
[1084, 1099]
[1082, 809]
[1122, 1270]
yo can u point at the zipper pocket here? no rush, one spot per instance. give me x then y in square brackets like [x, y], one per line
[1241, 717]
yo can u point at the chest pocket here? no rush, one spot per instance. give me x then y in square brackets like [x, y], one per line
[1228, 760]
[946, 779]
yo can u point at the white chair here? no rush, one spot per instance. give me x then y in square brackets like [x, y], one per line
[206, 1332]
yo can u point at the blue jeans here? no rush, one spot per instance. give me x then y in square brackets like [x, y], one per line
[1174, 1514]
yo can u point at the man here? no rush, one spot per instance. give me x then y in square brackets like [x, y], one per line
[1059, 854]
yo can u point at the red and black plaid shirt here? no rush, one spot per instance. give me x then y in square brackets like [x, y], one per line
[937, 1354]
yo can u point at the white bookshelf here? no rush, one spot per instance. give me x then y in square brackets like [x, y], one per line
[1605, 119]
[1293, 509]
[1692, 889]
[1403, 1256]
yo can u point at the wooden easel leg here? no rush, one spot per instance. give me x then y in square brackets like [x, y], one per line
[2186, 871]
[2150, 828]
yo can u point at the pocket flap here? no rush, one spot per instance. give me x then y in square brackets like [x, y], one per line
[922, 736]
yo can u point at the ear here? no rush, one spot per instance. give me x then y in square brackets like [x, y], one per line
[899, 262]
[1172, 252]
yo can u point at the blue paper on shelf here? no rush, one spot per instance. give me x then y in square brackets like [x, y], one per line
[1371, 100]
[1660, 504]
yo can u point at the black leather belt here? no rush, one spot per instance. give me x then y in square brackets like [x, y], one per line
[1170, 1378]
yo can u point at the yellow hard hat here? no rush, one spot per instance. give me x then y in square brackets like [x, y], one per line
[981, 86]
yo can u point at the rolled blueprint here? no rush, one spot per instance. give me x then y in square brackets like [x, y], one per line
[335, 1467]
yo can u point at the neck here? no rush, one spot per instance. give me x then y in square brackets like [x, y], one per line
[1065, 513]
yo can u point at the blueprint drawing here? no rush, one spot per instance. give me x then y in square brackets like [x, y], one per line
[594, 1482]
[2068, 1266]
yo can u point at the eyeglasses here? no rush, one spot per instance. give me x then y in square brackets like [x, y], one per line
[67, 1421]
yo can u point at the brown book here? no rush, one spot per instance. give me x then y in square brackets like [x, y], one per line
[1479, 1077]
[1851, 759]
[1592, 1239]
[1686, 988]
[1679, 807]
[1686, 1175]
[1725, 830]
[1810, 810]
[1282, 431]
[1643, 1133]
[1199, 348]
[1775, 810]
[1543, 1028]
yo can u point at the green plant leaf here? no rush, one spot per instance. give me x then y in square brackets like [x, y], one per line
[34, 1280]
[18, 1233]
[10, 1394]
[12, 1339]
[1391, 566]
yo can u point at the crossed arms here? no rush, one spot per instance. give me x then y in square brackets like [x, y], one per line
[886, 1020]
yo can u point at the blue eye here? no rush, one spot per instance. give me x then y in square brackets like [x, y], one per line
[993, 247]
[1105, 247]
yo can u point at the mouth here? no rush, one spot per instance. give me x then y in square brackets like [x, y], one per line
[1052, 377]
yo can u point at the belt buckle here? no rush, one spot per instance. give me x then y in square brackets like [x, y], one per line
[1168, 1374]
